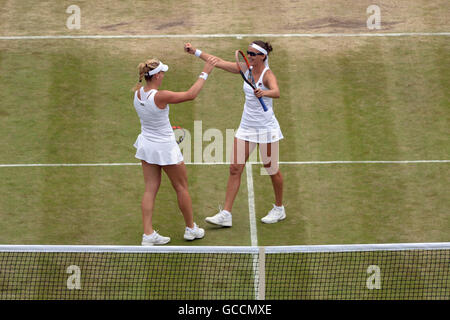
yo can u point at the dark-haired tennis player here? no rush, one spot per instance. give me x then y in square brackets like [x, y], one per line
[256, 127]
[157, 148]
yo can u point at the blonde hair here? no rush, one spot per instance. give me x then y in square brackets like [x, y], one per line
[143, 68]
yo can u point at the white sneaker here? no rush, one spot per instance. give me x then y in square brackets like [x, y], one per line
[194, 233]
[274, 215]
[154, 239]
[223, 219]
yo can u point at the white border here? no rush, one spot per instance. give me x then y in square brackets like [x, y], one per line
[228, 249]
[128, 249]
[360, 247]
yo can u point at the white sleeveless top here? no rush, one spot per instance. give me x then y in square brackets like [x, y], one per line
[256, 124]
[155, 123]
[254, 115]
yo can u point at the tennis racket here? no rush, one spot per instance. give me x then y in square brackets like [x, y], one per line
[179, 133]
[244, 66]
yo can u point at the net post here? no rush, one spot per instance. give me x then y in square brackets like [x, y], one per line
[261, 273]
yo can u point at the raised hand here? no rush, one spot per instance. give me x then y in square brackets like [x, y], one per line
[211, 62]
[189, 48]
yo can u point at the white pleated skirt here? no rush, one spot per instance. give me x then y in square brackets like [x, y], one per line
[160, 153]
[267, 135]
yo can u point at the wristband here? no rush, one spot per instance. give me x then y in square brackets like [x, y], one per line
[203, 75]
[198, 52]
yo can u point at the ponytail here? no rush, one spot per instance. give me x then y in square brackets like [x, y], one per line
[141, 69]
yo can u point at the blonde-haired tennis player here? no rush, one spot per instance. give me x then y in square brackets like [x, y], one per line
[157, 148]
[256, 127]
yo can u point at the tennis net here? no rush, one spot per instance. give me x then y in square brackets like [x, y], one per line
[384, 271]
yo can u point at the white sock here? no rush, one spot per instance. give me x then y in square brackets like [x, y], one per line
[192, 228]
[279, 208]
[227, 212]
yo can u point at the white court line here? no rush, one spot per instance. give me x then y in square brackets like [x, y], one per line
[69, 164]
[366, 162]
[253, 230]
[251, 205]
[232, 35]
[220, 163]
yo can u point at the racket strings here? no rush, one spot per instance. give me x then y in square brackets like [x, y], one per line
[242, 63]
[179, 131]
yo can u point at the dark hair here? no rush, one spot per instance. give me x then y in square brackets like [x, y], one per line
[267, 46]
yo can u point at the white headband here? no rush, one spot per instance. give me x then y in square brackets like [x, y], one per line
[260, 49]
[160, 67]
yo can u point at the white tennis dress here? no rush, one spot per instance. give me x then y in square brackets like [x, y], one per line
[156, 143]
[256, 125]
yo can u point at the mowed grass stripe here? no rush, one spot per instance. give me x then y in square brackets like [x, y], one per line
[418, 92]
[71, 132]
[368, 125]
[366, 108]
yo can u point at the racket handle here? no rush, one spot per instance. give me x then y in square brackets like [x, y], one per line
[263, 104]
